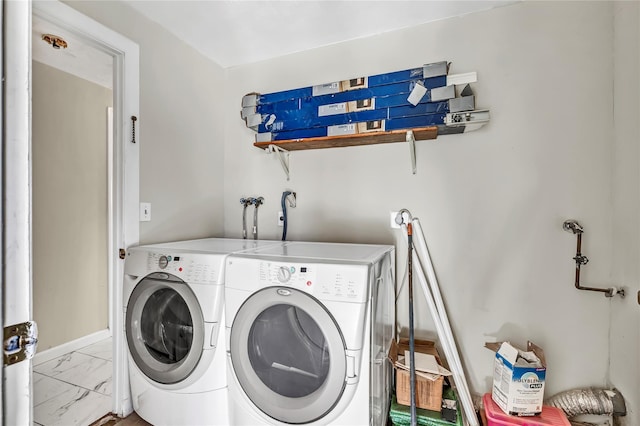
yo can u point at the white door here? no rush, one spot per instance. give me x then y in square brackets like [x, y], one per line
[16, 252]
[1, 185]
[16, 184]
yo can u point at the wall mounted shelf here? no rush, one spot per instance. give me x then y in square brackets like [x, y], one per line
[282, 148]
[422, 133]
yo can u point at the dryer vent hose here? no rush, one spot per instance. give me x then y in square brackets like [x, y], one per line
[589, 401]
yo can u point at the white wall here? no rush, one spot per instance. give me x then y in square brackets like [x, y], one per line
[625, 314]
[491, 202]
[181, 127]
[69, 148]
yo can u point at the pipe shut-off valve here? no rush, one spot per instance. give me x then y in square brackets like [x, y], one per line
[246, 202]
[575, 228]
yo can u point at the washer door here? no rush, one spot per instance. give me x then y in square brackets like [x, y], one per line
[288, 355]
[165, 328]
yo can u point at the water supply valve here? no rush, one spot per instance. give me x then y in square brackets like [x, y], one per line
[581, 260]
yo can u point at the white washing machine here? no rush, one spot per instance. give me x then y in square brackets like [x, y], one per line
[174, 325]
[309, 327]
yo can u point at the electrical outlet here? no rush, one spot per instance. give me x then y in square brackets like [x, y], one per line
[280, 219]
[392, 220]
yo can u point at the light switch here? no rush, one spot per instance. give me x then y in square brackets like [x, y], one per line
[145, 212]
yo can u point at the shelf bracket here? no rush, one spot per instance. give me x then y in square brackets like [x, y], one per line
[411, 139]
[283, 157]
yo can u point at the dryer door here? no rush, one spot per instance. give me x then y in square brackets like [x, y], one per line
[165, 328]
[288, 355]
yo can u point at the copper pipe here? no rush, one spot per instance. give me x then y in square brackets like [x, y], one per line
[583, 260]
[580, 259]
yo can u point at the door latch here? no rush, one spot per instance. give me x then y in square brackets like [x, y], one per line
[20, 342]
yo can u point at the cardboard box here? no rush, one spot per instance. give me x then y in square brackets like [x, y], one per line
[518, 381]
[341, 114]
[437, 69]
[302, 98]
[464, 103]
[344, 107]
[356, 128]
[368, 126]
[339, 86]
[428, 393]
[443, 93]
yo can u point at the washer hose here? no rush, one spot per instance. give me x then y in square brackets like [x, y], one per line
[291, 196]
[257, 202]
[245, 202]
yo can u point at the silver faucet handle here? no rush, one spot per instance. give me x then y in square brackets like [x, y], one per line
[572, 226]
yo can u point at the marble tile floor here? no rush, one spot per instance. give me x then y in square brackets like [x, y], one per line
[75, 389]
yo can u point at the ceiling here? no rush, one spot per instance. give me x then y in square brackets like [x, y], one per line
[237, 32]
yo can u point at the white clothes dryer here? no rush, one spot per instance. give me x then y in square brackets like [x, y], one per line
[174, 326]
[309, 326]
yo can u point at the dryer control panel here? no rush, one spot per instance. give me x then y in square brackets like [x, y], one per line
[342, 283]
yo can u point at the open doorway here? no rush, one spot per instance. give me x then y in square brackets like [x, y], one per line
[72, 93]
[118, 193]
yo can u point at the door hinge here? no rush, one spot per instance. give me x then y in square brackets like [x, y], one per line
[122, 253]
[20, 342]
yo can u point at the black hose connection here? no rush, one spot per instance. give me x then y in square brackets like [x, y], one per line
[291, 197]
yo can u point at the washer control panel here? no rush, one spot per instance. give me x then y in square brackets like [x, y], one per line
[291, 275]
[329, 282]
[192, 268]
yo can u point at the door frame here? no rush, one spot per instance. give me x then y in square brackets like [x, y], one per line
[124, 184]
[16, 194]
[124, 171]
[2, 117]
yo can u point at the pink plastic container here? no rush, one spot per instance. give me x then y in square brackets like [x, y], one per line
[550, 416]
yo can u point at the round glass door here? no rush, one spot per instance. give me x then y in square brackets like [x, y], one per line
[165, 328]
[288, 355]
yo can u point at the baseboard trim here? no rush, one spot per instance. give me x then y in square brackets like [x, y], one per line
[74, 345]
